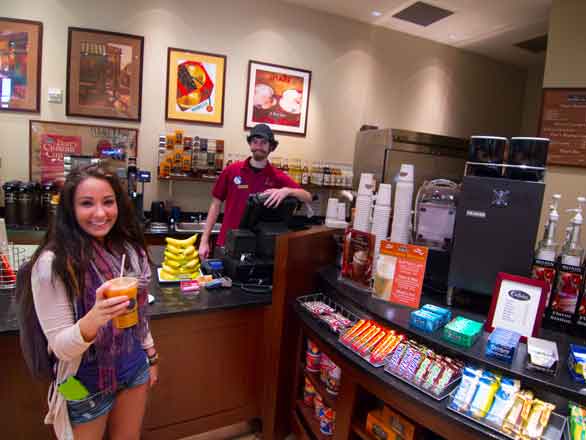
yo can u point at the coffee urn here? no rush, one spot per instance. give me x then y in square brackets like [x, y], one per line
[10, 194]
[47, 190]
[25, 203]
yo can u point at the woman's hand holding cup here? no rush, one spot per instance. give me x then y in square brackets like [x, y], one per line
[102, 312]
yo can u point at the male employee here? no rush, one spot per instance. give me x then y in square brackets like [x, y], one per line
[253, 175]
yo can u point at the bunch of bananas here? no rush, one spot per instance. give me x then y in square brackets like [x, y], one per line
[181, 259]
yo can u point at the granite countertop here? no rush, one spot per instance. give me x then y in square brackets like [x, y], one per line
[169, 300]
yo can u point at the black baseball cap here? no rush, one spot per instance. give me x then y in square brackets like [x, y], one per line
[265, 132]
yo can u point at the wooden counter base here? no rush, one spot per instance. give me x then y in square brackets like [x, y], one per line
[210, 377]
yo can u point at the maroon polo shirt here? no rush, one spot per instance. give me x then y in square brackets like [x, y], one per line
[235, 184]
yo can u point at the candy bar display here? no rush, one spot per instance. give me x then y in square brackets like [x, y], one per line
[502, 344]
[309, 393]
[371, 341]
[422, 368]
[500, 403]
[336, 317]
[462, 331]
[577, 422]
[577, 363]
[542, 355]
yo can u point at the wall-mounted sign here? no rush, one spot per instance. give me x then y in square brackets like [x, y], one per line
[563, 121]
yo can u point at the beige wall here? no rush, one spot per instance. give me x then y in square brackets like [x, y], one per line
[361, 74]
[566, 67]
[532, 101]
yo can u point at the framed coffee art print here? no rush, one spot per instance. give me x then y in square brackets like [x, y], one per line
[277, 96]
[104, 74]
[518, 304]
[21, 44]
[196, 82]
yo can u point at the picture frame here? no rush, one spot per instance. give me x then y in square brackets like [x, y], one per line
[277, 96]
[104, 74]
[518, 304]
[196, 84]
[21, 47]
[49, 141]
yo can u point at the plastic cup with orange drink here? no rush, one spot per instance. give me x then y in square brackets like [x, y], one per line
[124, 286]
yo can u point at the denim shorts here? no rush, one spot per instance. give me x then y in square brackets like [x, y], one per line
[100, 403]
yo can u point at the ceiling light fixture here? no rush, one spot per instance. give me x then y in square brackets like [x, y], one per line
[376, 13]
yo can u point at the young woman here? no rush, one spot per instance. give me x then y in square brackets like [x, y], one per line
[102, 373]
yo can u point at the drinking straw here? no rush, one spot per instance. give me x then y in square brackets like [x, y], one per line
[122, 265]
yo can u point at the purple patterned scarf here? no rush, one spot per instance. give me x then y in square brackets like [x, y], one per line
[111, 341]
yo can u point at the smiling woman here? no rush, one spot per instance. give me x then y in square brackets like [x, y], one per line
[102, 371]
[96, 209]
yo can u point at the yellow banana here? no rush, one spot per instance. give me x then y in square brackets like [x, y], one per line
[189, 250]
[181, 243]
[167, 276]
[191, 264]
[173, 249]
[175, 257]
[172, 263]
[169, 269]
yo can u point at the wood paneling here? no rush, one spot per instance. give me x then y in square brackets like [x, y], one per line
[299, 256]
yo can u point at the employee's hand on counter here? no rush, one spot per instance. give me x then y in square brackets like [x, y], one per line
[204, 249]
[276, 196]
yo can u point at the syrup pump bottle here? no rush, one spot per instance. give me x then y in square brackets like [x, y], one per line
[570, 275]
[546, 254]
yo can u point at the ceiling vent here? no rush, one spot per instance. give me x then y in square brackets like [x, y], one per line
[422, 14]
[535, 45]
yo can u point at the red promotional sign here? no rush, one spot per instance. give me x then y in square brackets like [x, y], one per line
[52, 149]
[408, 273]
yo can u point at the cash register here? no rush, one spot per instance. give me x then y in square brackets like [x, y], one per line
[250, 249]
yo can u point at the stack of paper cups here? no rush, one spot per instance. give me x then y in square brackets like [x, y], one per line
[362, 213]
[366, 186]
[332, 210]
[380, 225]
[383, 196]
[342, 212]
[401, 229]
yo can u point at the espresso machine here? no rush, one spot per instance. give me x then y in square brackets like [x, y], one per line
[497, 216]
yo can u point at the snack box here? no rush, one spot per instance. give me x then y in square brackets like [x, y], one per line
[462, 331]
[404, 428]
[445, 314]
[425, 321]
[377, 428]
[577, 363]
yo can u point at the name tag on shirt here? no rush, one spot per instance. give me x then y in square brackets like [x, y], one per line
[242, 186]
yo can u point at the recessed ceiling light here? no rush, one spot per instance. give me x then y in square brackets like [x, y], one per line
[376, 13]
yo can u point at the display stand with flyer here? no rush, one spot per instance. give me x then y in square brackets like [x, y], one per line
[400, 269]
[358, 256]
[517, 305]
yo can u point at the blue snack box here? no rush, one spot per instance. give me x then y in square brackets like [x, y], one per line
[502, 344]
[445, 314]
[425, 321]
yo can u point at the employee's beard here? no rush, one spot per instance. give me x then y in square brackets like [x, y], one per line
[260, 156]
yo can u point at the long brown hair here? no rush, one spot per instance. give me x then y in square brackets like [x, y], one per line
[72, 245]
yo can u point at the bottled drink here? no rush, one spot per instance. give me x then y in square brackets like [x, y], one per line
[305, 174]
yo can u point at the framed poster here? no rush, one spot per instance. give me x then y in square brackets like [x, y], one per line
[277, 96]
[196, 82]
[563, 121]
[21, 43]
[517, 304]
[104, 74]
[50, 141]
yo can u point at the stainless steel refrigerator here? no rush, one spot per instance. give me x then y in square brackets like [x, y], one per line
[382, 152]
